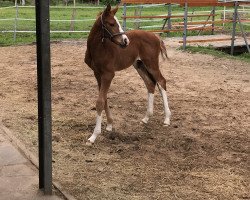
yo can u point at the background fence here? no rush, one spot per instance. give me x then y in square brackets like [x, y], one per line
[17, 23]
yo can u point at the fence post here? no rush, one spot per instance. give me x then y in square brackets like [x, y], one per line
[243, 32]
[124, 16]
[169, 18]
[213, 18]
[185, 26]
[44, 95]
[234, 26]
[137, 13]
[224, 16]
[15, 24]
[72, 22]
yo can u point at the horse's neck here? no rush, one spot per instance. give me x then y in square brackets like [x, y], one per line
[96, 31]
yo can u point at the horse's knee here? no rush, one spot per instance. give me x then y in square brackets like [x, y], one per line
[100, 103]
[162, 82]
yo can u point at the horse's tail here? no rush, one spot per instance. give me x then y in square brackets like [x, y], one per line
[163, 50]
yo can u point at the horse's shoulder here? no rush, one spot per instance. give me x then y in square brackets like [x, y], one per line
[87, 58]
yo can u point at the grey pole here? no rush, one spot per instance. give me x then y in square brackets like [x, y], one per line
[185, 26]
[124, 15]
[169, 17]
[243, 32]
[15, 25]
[44, 95]
[213, 18]
[234, 26]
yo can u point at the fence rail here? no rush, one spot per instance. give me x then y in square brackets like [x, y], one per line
[15, 28]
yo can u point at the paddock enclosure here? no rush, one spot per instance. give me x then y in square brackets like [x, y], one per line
[188, 25]
[203, 154]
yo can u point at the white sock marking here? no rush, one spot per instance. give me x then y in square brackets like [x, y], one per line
[97, 130]
[166, 108]
[150, 108]
[109, 127]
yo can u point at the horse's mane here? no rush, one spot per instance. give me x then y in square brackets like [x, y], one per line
[99, 14]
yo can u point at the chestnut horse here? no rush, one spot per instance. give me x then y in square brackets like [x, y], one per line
[109, 49]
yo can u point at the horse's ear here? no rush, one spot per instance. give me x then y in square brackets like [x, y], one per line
[107, 9]
[115, 9]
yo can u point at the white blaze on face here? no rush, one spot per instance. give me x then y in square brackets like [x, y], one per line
[124, 37]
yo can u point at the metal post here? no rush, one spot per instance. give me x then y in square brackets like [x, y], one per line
[185, 26]
[137, 13]
[169, 18]
[124, 16]
[72, 22]
[234, 26]
[213, 18]
[243, 32]
[224, 16]
[44, 95]
[15, 25]
[139, 23]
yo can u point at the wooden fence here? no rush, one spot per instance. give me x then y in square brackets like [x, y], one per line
[183, 26]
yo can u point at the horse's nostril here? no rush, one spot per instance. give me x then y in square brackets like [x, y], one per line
[126, 41]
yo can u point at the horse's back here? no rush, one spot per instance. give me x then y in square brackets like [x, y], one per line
[148, 44]
[143, 35]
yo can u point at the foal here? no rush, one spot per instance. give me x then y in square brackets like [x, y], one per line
[109, 50]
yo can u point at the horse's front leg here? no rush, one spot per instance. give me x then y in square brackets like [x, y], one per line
[101, 104]
[106, 108]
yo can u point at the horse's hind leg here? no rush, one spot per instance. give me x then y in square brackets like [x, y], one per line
[161, 83]
[109, 117]
[150, 84]
[165, 103]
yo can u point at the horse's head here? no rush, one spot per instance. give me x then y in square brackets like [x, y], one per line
[112, 28]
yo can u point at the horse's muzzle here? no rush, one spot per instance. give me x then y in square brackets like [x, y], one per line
[125, 41]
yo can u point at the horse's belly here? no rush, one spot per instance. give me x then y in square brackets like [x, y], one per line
[123, 65]
[124, 61]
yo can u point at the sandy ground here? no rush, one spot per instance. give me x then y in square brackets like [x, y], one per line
[203, 154]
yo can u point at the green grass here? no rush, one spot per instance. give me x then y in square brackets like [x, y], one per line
[211, 51]
[55, 14]
[81, 13]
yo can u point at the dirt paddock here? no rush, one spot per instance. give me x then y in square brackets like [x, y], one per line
[203, 154]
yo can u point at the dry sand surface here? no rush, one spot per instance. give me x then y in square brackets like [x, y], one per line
[203, 154]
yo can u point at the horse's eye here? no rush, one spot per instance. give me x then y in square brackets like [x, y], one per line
[111, 24]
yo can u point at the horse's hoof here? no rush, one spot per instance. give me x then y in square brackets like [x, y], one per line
[145, 120]
[109, 127]
[91, 140]
[166, 122]
[89, 144]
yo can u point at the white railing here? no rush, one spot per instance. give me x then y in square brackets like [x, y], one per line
[16, 19]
